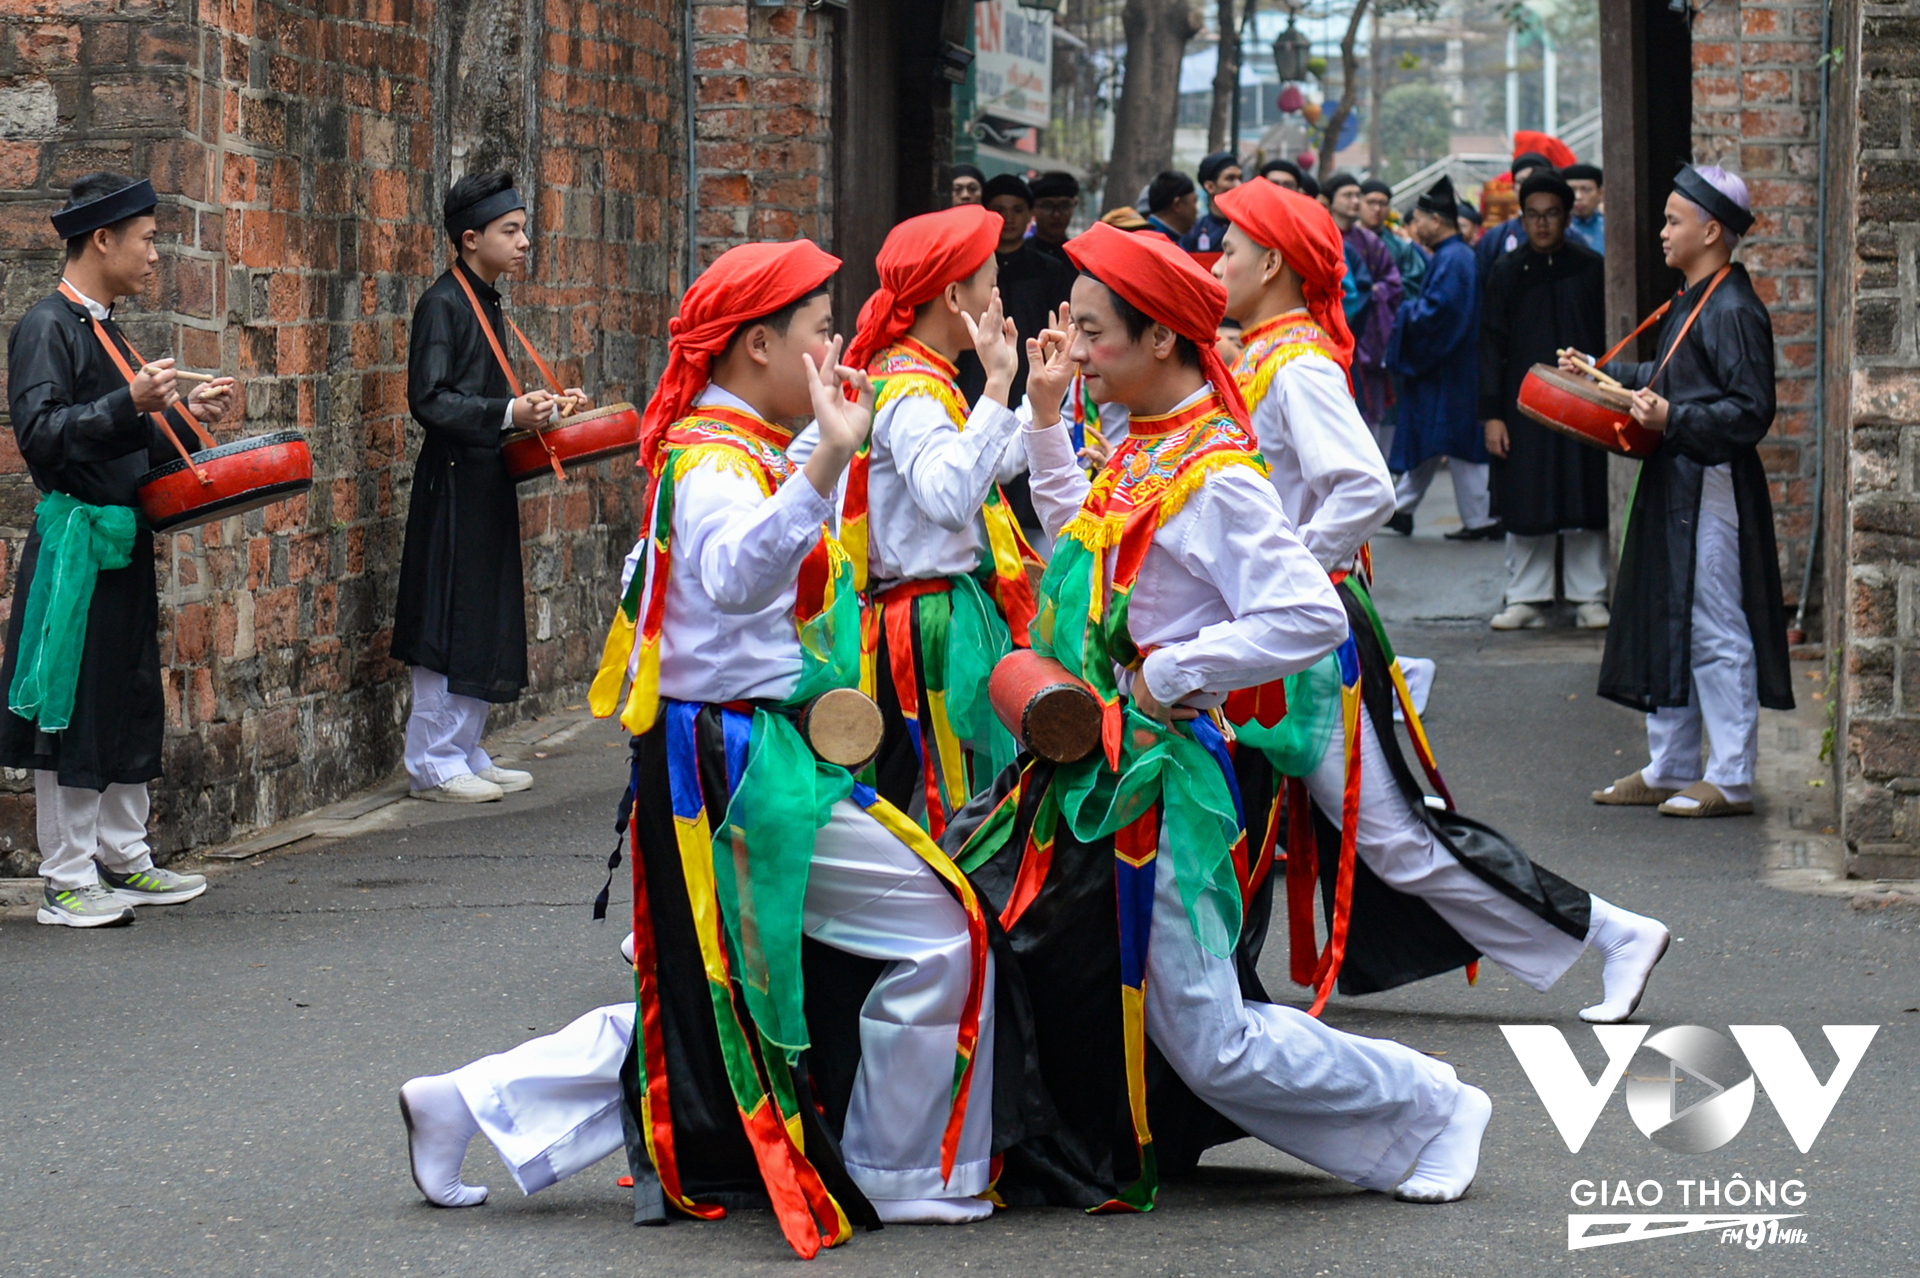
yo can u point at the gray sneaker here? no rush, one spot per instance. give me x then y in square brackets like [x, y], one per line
[90, 906]
[153, 886]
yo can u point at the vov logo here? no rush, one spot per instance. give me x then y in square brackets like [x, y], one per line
[1766, 1054]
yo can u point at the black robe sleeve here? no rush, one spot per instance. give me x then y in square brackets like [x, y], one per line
[433, 371]
[1738, 413]
[52, 428]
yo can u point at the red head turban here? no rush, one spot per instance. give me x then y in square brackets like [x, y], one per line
[921, 257]
[1162, 281]
[1558, 153]
[1301, 230]
[743, 284]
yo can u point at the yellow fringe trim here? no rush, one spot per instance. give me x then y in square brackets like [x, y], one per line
[1254, 389]
[723, 457]
[901, 385]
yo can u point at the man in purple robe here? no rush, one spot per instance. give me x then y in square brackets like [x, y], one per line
[1373, 326]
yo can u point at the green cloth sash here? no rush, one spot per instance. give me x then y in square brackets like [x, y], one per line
[1295, 744]
[960, 661]
[76, 542]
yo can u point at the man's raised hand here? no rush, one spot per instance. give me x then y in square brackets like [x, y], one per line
[843, 423]
[994, 337]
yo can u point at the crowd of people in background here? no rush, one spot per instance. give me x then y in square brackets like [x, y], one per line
[1449, 303]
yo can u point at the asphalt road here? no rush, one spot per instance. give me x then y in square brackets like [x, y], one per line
[212, 1091]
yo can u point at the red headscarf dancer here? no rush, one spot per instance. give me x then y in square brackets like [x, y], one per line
[1301, 230]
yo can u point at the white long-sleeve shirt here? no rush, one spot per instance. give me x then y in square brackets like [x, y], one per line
[926, 483]
[1325, 465]
[1227, 596]
[728, 633]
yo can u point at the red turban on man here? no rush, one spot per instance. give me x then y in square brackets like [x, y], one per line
[743, 284]
[1300, 229]
[921, 257]
[1557, 153]
[1162, 281]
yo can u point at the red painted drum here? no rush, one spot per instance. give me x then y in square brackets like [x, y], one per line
[576, 440]
[1591, 413]
[1048, 711]
[242, 476]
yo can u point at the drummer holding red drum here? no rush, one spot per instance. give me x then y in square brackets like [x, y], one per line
[85, 707]
[460, 620]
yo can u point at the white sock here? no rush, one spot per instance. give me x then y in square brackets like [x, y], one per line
[1447, 1165]
[626, 949]
[932, 1211]
[439, 1126]
[1629, 944]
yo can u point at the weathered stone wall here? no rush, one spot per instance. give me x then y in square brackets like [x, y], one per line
[1878, 731]
[302, 150]
[1756, 107]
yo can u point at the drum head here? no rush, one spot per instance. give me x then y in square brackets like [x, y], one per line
[1575, 384]
[844, 727]
[605, 410]
[1062, 723]
[252, 444]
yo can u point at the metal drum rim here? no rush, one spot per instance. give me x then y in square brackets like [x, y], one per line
[252, 443]
[1582, 389]
[578, 419]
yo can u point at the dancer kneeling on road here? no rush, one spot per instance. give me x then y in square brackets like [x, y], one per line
[744, 843]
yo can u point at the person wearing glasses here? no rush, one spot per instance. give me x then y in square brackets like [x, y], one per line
[1550, 489]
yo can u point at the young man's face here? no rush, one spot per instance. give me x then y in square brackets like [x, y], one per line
[1243, 267]
[966, 190]
[809, 333]
[976, 291]
[1280, 177]
[128, 256]
[1689, 232]
[1180, 214]
[1586, 196]
[1052, 216]
[1373, 209]
[1017, 214]
[1544, 218]
[500, 248]
[1116, 369]
[1346, 204]
[1228, 179]
[1227, 344]
[1469, 229]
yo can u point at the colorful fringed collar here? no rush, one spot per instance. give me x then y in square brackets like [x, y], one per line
[1269, 346]
[716, 432]
[1163, 460]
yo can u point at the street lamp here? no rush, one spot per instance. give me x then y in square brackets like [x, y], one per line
[1291, 50]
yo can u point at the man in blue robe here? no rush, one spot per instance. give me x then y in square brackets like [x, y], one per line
[1435, 349]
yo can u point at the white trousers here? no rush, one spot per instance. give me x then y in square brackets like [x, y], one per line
[443, 732]
[551, 1106]
[1583, 567]
[1398, 846]
[1360, 1108]
[1725, 699]
[1469, 488]
[79, 827]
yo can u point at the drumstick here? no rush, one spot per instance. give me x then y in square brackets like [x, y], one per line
[1591, 369]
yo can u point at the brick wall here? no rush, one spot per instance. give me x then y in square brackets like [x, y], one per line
[1756, 102]
[762, 139]
[1879, 529]
[302, 156]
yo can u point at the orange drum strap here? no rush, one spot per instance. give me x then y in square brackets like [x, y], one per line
[1692, 315]
[160, 419]
[493, 340]
[1654, 318]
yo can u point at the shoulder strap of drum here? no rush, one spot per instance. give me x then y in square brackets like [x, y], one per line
[126, 370]
[493, 339]
[1692, 315]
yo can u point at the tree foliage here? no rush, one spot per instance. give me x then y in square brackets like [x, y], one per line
[1416, 128]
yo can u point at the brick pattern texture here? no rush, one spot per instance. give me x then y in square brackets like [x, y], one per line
[763, 85]
[1756, 110]
[302, 148]
[1879, 726]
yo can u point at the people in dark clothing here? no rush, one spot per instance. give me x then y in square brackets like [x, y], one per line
[1376, 208]
[1510, 234]
[1550, 489]
[1218, 172]
[1056, 197]
[967, 184]
[1589, 205]
[460, 620]
[1434, 349]
[1469, 222]
[1699, 638]
[86, 711]
[1372, 267]
[1172, 204]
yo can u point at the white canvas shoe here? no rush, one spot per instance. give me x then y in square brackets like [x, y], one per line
[1592, 616]
[511, 780]
[1520, 616]
[465, 788]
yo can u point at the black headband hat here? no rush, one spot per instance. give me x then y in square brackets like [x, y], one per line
[1055, 185]
[1214, 165]
[1439, 199]
[1551, 183]
[1338, 181]
[1006, 184]
[1374, 186]
[1471, 213]
[1581, 173]
[476, 216]
[1709, 197]
[116, 206]
[968, 171]
[1529, 160]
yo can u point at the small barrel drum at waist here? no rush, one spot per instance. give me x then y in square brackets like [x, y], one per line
[241, 476]
[576, 440]
[1048, 711]
[1586, 410]
[843, 726]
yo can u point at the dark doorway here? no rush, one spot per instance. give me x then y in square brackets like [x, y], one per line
[1646, 92]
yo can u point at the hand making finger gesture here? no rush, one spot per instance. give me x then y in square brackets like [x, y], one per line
[994, 337]
[843, 423]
